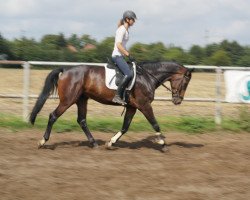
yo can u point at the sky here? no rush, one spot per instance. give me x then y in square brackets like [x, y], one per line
[174, 22]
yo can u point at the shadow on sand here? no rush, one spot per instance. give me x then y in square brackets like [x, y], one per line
[144, 143]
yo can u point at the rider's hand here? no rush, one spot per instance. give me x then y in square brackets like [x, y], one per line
[131, 59]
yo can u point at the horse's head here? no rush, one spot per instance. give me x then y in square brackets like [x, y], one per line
[179, 82]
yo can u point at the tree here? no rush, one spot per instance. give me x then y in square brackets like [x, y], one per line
[245, 59]
[156, 51]
[220, 58]
[26, 49]
[105, 48]
[177, 54]
[75, 41]
[211, 49]
[86, 39]
[140, 52]
[54, 41]
[233, 49]
[198, 54]
[61, 41]
[5, 52]
[55, 48]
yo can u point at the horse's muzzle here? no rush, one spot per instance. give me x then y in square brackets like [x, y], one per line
[177, 100]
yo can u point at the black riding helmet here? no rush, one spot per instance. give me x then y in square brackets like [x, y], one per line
[129, 14]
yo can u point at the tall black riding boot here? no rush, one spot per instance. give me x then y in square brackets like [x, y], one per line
[120, 91]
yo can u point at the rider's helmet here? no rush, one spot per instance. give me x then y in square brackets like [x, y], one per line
[129, 14]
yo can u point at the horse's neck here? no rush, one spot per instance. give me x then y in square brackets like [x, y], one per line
[158, 77]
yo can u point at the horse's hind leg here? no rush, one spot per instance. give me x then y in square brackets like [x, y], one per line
[52, 119]
[130, 112]
[81, 119]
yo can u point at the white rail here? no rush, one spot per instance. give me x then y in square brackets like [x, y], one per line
[26, 79]
[63, 63]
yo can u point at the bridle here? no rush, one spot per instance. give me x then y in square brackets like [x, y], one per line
[175, 92]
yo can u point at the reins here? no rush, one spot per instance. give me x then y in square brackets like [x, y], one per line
[161, 83]
[141, 68]
[154, 78]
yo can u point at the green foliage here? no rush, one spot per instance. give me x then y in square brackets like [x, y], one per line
[220, 58]
[5, 51]
[151, 52]
[198, 54]
[242, 123]
[245, 59]
[191, 125]
[177, 54]
[210, 49]
[75, 41]
[233, 50]
[140, 52]
[156, 51]
[105, 48]
[87, 39]
[196, 125]
[54, 41]
[76, 49]
[244, 118]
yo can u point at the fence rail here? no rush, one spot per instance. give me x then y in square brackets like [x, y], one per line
[26, 65]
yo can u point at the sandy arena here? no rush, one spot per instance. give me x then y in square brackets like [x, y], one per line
[208, 166]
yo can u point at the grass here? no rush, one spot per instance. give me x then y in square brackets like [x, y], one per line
[191, 125]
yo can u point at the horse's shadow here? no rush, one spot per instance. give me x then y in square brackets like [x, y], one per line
[148, 143]
[144, 143]
[69, 144]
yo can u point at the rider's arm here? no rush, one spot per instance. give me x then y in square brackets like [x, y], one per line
[122, 49]
[120, 33]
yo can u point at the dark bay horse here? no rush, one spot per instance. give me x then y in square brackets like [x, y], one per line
[76, 85]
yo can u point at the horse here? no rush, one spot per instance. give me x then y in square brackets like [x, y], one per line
[78, 84]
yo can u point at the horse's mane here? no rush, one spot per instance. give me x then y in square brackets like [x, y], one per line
[153, 66]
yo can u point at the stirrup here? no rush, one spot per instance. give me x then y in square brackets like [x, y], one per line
[117, 99]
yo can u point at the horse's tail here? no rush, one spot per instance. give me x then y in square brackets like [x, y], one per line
[49, 87]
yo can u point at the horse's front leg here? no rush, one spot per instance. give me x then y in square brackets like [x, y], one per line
[147, 111]
[130, 112]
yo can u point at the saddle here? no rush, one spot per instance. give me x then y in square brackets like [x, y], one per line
[113, 75]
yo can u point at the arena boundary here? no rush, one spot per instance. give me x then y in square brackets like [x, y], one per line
[26, 65]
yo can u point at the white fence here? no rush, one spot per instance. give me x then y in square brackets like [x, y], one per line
[26, 83]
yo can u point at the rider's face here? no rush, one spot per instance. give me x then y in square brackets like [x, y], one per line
[131, 22]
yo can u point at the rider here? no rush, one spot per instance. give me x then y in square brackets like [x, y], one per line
[119, 52]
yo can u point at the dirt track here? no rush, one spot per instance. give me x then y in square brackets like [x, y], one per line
[209, 166]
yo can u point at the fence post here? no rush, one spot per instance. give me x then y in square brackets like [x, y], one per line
[218, 96]
[26, 85]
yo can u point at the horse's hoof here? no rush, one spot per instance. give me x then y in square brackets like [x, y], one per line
[165, 149]
[41, 143]
[94, 145]
[109, 146]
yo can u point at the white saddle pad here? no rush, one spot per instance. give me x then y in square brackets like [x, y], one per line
[110, 78]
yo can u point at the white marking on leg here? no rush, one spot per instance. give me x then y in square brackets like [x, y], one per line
[158, 133]
[41, 142]
[116, 137]
[109, 144]
[159, 139]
